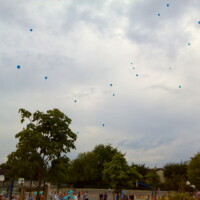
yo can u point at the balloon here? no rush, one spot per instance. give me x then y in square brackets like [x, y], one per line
[111, 85]
[179, 86]
[18, 66]
[167, 5]
[158, 14]
[46, 77]
[113, 95]
[189, 44]
[131, 63]
[103, 124]
[198, 22]
[31, 29]
[77, 132]
[136, 74]
[75, 101]
[133, 67]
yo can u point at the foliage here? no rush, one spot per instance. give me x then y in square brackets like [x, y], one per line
[86, 169]
[176, 176]
[181, 196]
[57, 173]
[142, 170]
[194, 170]
[116, 171]
[153, 179]
[42, 144]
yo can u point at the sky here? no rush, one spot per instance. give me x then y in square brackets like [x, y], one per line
[126, 72]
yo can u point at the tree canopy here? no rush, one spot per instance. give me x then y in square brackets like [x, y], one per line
[43, 143]
[194, 170]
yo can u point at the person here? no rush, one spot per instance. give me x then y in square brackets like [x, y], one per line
[75, 197]
[105, 196]
[79, 195]
[101, 196]
[117, 196]
[85, 196]
[131, 197]
[148, 197]
[55, 196]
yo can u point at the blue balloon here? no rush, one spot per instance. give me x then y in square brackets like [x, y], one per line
[46, 77]
[18, 66]
[198, 22]
[167, 5]
[31, 29]
[136, 74]
[113, 95]
[133, 67]
[158, 14]
[179, 86]
[75, 101]
[189, 44]
[103, 124]
[77, 132]
[111, 85]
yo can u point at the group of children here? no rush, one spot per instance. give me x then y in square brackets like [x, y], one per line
[71, 195]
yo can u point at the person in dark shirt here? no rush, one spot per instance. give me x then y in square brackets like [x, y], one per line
[100, 196]
[105, 196]
[131, 197]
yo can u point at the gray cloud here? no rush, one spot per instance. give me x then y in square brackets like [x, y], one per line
[83, 46]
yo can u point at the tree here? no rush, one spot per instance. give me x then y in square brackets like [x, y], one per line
[45, 140]
[86, 169]
[83, 169]
[153, 179]
[116, 171]
[142, 170]
[194, 170]
[58, 172]
[176, 176]
[103, 154]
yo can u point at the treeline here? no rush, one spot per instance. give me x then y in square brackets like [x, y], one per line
[41, 155]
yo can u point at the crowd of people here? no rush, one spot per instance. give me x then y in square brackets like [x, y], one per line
[80, 195]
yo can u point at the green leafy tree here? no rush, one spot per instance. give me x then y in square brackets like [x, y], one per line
[83, 169]
[142, 170]
[153, 179]
[58, 172]
[44, 140]
[103, 154]
[86, 169]
[176, 176]
[194, 170]
[116, 171]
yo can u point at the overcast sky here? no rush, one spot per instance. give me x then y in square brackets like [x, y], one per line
[132, 65]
